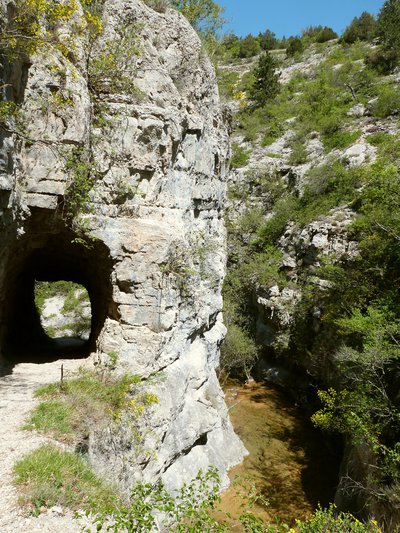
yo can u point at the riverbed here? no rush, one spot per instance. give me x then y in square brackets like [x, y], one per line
[290, 464]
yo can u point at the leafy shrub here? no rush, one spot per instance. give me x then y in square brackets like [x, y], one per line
[340, 139]
[388, 146]
[204, 15]
[383, 61]
[240, 156]
[273, 131]
[284, 209]
[333, 521]
[227, 83]
[49, 476]
[388, 102]
[188, 510]
[299, 154]
[239, 352]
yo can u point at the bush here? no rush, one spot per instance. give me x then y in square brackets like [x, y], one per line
[227, 83]
[152, 508]
[340, 139]
[240, 156]
[383, 61]
[333, 521]
[238, 352]
[294, 47]
[273, 131]
[299, 154]
[388, 102]
[204, 15]
[362, 28]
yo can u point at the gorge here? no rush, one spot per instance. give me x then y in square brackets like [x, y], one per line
[130, 169]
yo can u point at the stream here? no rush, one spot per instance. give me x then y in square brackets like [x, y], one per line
[290, 463]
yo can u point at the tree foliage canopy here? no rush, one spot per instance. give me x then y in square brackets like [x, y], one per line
[266, 83]
[389, 24]
[362, 28]
[204, 15]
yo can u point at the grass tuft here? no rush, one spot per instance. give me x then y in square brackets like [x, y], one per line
[69, 411]
[49, 476]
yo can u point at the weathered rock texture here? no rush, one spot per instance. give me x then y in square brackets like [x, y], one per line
[155, 267]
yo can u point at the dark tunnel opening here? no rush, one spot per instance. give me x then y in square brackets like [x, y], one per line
[51, 257]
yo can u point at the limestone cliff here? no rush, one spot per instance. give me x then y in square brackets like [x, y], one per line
[116, 180]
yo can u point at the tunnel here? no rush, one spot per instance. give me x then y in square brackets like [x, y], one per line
[51, 252]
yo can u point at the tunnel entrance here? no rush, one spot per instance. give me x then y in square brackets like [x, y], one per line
[49, 258]
[65, 312]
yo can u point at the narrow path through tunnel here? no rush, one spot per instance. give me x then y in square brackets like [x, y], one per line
[47, 256]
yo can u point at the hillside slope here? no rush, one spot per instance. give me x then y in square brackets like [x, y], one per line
[313, 238]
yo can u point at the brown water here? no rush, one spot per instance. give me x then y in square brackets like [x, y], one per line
[289, 463]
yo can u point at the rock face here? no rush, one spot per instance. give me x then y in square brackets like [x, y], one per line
[148, 241]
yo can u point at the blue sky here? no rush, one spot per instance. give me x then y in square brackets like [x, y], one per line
[289, 17]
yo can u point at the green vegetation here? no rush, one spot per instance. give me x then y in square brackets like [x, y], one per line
[266, 81]
[49, 476]
[194, 508]
[295, 46]
[389, 25]
[240, 156]
[330, 520]
[345, 327]
[362, 28]
[76, 300]
[70, 410]
[35, 27]
[206, 16]
[388, 101]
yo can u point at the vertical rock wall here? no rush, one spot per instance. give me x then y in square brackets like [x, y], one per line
[154, 269]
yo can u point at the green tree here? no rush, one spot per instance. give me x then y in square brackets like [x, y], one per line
[319, 34]
[362, 28]
[389, 25]
[249, 46]
[266, 81]
[326, 34]
[295, 45]
[267, 40]
[204, 15]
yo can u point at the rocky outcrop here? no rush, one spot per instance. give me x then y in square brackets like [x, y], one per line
[146, 165]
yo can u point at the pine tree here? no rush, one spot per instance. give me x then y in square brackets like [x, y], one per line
[266, 83]
[389, 25]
